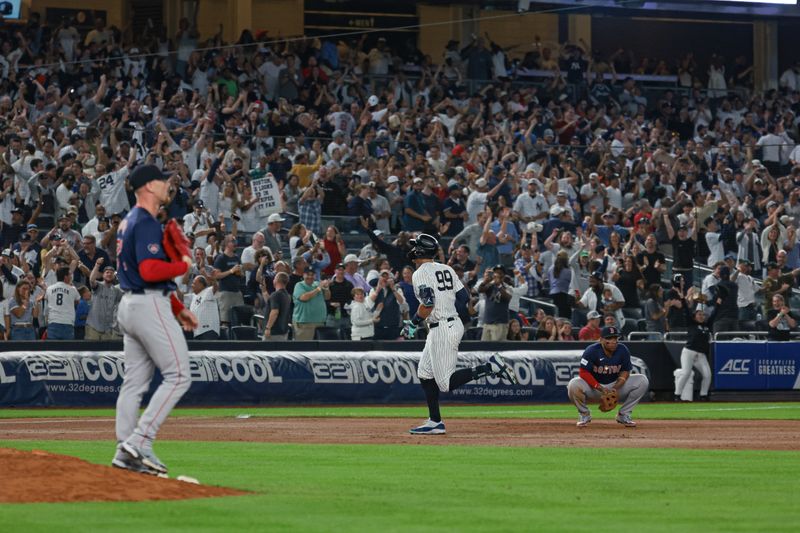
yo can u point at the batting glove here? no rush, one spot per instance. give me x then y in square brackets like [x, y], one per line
[409, 329]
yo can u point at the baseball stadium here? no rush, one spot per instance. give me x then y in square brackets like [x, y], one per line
[360, 265]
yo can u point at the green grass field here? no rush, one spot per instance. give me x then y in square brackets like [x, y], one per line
[452, 488]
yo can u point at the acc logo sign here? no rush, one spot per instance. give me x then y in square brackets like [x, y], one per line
[736, 367]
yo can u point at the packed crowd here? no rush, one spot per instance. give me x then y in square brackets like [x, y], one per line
[574, 191]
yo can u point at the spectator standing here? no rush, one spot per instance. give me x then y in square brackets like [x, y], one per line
[507, 236]
[454, 209]
[228, 273]
[746, 295]
[279, 310]
[309, 305]
[20, 312]
[727, 312]
[248, 258]
[272, 238]
[560, 276]
[61, 300]
[310, 207]
[352, 274]
[341, 296]
[334, 245]
[498, 296]
[106, 296]
[651, 262]
[781, 320]
[777, 283]
[655, 311]
[415, 215]
[82, 312]
[205, 307]
[389, 297]
[363, 316]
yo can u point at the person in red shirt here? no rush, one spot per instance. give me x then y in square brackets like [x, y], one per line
[591, 331]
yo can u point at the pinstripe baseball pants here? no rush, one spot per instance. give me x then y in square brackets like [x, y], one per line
[439, 357]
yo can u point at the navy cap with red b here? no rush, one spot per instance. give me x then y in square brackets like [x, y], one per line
[609, 331]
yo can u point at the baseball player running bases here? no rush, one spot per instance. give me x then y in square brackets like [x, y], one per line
[443, 303]
[150, 316]
[606, 370]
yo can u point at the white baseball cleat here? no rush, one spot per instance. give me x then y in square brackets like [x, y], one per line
[429, 428]
[584, 421]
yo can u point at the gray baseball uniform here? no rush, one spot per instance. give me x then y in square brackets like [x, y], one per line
[152, 337]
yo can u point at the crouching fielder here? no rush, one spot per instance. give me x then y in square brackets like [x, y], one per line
[442, 302]
[606, 368]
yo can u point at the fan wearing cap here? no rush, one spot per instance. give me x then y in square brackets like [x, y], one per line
[607, 365]
[106, 295]
[10, 233]
[480, 196]
[415, 213]
[151, 317]
[199, 223]
[591, 331]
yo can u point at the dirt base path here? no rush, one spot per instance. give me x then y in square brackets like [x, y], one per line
[704, 434]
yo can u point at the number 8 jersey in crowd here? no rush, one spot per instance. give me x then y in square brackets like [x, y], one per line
[445, 284]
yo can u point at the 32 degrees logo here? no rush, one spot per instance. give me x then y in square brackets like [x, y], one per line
[736, 367]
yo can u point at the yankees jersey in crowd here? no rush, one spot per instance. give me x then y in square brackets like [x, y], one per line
[444, 283]
[111, 188]
[204, 306]
[606, 369]
[61, 300]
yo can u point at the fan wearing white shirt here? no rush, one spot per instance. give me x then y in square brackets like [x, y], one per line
[62, 298]
[714, 241]
[111, 186]
[204, 306]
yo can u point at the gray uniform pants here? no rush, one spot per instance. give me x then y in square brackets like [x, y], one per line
[152, 339]
[629, 394]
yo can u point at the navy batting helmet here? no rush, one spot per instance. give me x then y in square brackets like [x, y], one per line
[423, 247]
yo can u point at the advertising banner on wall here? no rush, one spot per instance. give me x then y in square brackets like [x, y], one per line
[248, 377]
[757, 365]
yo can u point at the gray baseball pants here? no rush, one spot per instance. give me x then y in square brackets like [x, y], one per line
[580, 393]
[152, 339]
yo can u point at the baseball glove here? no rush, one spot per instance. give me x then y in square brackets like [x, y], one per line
[608, 399]
[175, 243]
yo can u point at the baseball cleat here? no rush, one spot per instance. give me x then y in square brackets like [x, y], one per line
[126, 461]
[429, 428]
[502, 369]
[626, 421]
[584, 421]
[146, 457]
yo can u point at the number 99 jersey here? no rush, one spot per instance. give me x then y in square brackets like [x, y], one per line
[442, 282]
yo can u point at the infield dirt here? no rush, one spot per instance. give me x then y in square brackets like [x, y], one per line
[601, 433]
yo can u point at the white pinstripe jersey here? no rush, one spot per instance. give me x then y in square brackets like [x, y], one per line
[445, 284]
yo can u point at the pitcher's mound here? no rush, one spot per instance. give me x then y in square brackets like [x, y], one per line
[37, 476]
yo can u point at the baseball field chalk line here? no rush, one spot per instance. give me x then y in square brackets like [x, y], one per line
[50, 420]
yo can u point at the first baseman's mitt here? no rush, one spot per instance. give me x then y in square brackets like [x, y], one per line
[175, 243]
[608, 399]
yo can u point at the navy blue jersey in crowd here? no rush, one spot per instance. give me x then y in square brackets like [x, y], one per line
[139, 238]
[606, 369]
